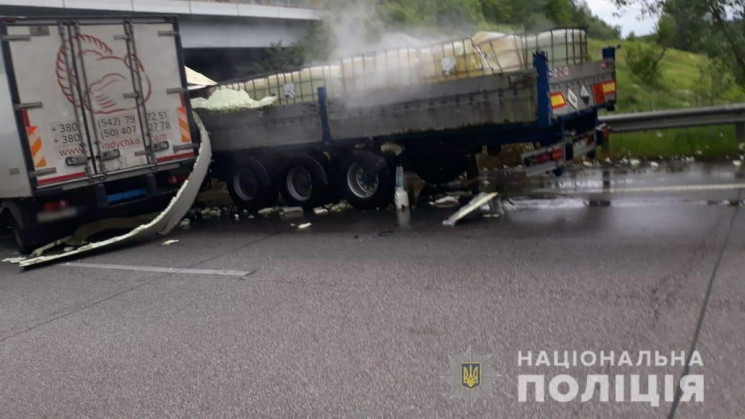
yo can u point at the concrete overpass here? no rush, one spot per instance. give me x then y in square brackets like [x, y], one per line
[204, 24]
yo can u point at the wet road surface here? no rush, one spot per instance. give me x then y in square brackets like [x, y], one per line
[358, 314]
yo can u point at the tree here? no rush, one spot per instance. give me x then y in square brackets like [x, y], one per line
[727, 18]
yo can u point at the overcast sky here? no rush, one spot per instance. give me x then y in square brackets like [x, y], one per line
[629, 19]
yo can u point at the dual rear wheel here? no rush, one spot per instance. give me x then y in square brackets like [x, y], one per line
[363, 178]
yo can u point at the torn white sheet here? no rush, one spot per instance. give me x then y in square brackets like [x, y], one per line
[475, 203]
[231, 100]
[165, 221]
[198, 79]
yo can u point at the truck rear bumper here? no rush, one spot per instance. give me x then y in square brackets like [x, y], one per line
[550, 158]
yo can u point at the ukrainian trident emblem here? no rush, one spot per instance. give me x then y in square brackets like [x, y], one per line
[470, 376]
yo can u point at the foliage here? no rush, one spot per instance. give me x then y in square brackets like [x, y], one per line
[643, 60]
[713, 27]
[714, 81]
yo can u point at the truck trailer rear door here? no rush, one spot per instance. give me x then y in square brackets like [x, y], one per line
[99, 96]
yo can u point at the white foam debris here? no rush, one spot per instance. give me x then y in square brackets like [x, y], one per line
[185, 222]
[320, 211]
[15, 259]
[587, 163]
[228, 100]
[446, 201]
[737, 163]
[635, 162]
[654, 164]
[341, 206]
[267, 211]
[169, 242]
[303, 226]
[292, 210]
[236, 216]
[699, 153]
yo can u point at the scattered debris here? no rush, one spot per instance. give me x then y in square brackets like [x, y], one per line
[448, 201]
[267, 211]
[303, 226]
[16, 259]
[737, 163]
[654, 164]
[635, 162]
[40, 251]
[339, 207]
[169, 242]
[292, 210]
[320, 211]
[185, 223]
[587, 163]
[475, 203]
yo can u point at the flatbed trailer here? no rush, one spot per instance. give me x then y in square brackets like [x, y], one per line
[338, 130]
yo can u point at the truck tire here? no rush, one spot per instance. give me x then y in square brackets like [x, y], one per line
[31, 238]
[28, 240]
[365, 180]
[304, 183]
[250, 186]
[438, 169]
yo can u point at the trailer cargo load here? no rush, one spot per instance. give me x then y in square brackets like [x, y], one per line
[336, 130]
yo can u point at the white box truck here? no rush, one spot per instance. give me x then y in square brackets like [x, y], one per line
[95, 121]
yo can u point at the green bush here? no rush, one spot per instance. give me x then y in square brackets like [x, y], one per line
[644, 62]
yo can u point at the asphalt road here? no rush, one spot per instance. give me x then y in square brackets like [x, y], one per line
[358, 314]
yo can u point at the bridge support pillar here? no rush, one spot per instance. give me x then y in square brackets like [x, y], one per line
[740, 132]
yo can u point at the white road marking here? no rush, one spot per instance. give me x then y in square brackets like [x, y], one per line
[672, 188]
[159, 269]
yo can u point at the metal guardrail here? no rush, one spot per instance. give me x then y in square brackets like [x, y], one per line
[680, 118]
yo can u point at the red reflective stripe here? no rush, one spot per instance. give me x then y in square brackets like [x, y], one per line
[26, 121]
[60, 178]
[176, 157]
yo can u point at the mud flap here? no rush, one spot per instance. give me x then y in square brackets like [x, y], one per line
[160, 225]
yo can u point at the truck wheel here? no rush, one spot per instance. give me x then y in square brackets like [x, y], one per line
[438, 169]
[365, 180]
[27, 240]
[30, 239]
[250, 187]
[305, 183]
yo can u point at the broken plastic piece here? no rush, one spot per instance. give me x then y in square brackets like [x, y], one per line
[165, 221]
[445, 202]
[475, 203]
[169, 242]
[303, 226]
